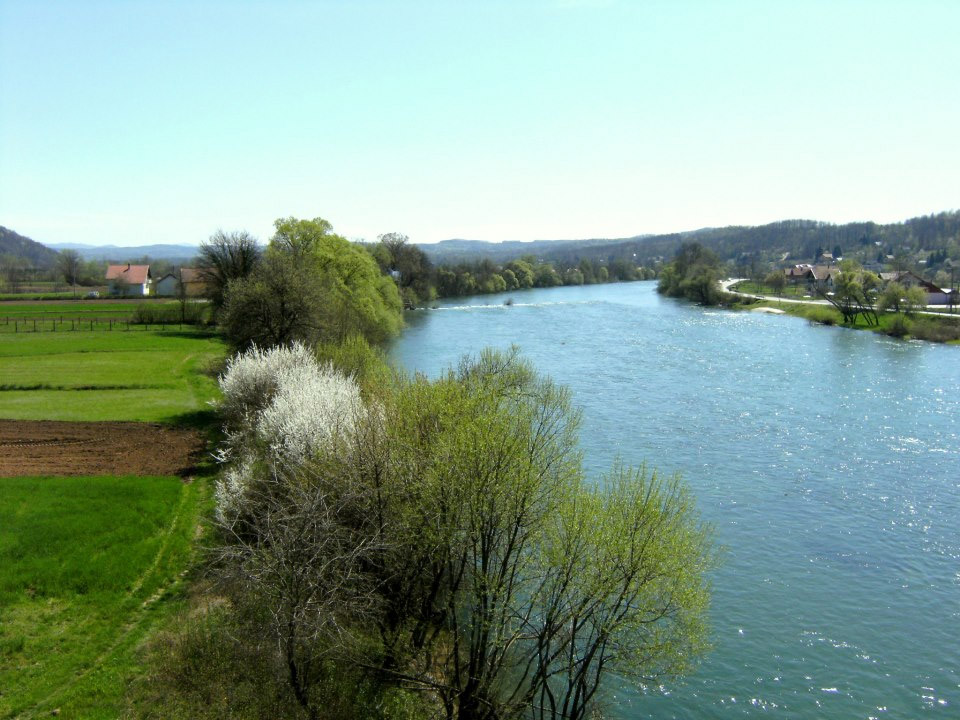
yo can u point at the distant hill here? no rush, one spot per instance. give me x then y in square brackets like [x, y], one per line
[12, 243]
[798, 240]
[125, 254]
[451, 252]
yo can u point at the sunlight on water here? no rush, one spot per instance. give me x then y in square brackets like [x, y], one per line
[826, 459]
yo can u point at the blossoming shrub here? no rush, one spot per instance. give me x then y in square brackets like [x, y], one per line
[281, 409]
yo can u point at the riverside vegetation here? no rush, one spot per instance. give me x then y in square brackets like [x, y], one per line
[392, 546]
[376, 545]
[857, 301]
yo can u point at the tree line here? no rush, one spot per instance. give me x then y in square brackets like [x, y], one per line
[393, 546]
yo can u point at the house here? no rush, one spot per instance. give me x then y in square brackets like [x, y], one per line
[129, 280]
[935, 295]
[193, 281]
[193, 284]
[798, 273]
[816, 277]
[822, 277]
[166, 286]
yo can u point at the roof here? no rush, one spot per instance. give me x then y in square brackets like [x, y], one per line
[822, 272]
[131, 274]
[902, 275]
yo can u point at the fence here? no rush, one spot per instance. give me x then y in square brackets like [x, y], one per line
[62, 324]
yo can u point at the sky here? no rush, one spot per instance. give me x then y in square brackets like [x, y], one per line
[132, 123]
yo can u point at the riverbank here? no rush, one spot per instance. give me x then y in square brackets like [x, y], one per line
[929, 326]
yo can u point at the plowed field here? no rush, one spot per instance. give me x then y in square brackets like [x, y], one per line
[96, 448]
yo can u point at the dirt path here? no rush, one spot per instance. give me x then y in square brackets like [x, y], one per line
[96, 448]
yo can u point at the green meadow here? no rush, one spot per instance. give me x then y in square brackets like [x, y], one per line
[66, 310]
[88, 568]
[136, 375]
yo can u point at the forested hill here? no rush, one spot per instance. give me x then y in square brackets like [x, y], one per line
[17, 245]
[451, 252]
[798, 239]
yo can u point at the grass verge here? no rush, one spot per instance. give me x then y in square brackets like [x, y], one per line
[88, 568]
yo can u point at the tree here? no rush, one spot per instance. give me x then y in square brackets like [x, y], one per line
[454, 517]
[902, 299]
[280, 302]
[69, 265]
[853, 293]
[412, 265]
[310, 286]
[523, 271]
[694, 274]
[776, 280]
[512, 583]
[361, 299]
[226, 257]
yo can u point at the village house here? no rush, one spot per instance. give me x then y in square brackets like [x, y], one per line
[191, 280]
[935, 295]
[129, 280]
[816, 277]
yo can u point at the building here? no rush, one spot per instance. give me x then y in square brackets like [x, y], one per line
[193, 284]
[935, 295]
[129, 280]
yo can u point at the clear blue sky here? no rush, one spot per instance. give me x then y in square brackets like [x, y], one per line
[141, 122]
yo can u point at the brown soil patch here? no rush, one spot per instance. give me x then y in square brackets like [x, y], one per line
[96, 448]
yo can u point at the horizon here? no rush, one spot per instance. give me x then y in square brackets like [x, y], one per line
[125, 124]
[509, 240]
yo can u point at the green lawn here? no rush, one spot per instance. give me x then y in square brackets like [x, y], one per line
[140, 375]
[88, 568]
[71, 309]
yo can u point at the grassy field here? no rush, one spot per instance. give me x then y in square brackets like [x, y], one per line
[69, 309]
[111, 315]
[91, 567]
[88, 568]
[139, 375]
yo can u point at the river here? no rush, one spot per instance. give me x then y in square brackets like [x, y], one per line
[827, 461]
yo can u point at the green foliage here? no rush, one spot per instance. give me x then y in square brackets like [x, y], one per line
[900, 299]
[451, 536]
[821, 315]
[187, 313]
[83, 562]
[899, 326]
[776, 280]
[395, 253]
[281, 302]
[694, 274]
[935, 329]
[853, 294]
[224, 258]
[312, 286]
[356, 358]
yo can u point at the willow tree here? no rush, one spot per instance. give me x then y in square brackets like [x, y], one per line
[311, 286]
[512, 584]
[468, 557]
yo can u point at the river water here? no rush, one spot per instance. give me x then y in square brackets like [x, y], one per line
[827, 460]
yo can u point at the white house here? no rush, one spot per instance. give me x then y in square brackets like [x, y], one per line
[129, 280]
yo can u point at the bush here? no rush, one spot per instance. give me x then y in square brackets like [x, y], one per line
[821, 315]
[171, 313]
[935, 329]
[282, 408]
[899, 326]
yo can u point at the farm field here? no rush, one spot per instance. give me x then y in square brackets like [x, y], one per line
[99, 520]
[137, 375]
[89, 566]
[71, 309]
